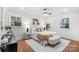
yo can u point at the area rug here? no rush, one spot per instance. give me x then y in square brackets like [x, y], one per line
[37, 47]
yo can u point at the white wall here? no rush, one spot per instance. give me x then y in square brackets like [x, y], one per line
[73, 31]
[54, 21]
[18, 31]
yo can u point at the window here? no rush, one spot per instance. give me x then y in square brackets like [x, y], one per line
[65, 23]
[15, 21]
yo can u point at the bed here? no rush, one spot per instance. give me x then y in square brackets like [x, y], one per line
[42, 36]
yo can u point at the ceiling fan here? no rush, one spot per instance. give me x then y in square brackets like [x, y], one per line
[45, 12]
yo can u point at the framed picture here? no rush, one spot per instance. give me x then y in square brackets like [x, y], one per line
[15, 21]
[65, 23]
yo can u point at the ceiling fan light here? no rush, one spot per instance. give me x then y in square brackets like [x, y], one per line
[45, 14]
[45, 11]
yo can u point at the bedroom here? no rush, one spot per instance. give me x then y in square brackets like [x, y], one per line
[43, 22]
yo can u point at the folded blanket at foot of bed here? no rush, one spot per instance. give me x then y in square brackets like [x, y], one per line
[52, 40]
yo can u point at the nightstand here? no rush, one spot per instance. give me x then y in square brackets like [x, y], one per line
[27, 36]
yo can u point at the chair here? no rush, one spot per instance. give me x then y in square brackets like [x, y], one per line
[4, 41]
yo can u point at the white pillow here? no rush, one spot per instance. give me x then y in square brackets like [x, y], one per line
[5, 40]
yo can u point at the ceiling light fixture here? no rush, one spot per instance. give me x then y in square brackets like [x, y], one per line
[45, 12]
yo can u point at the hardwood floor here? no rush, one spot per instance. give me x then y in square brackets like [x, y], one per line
[72, 47]
[24, 47]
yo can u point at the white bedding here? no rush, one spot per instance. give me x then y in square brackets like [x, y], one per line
[34, 34]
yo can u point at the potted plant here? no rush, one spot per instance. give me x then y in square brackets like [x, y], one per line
[8, 29]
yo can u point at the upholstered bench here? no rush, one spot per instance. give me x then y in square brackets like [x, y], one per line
[54, 40]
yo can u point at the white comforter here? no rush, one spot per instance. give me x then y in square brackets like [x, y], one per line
[34, 34]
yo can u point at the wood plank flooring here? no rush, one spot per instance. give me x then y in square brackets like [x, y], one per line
[72, 47]
[24, 47]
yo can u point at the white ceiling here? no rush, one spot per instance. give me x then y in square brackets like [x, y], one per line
[39, 10]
